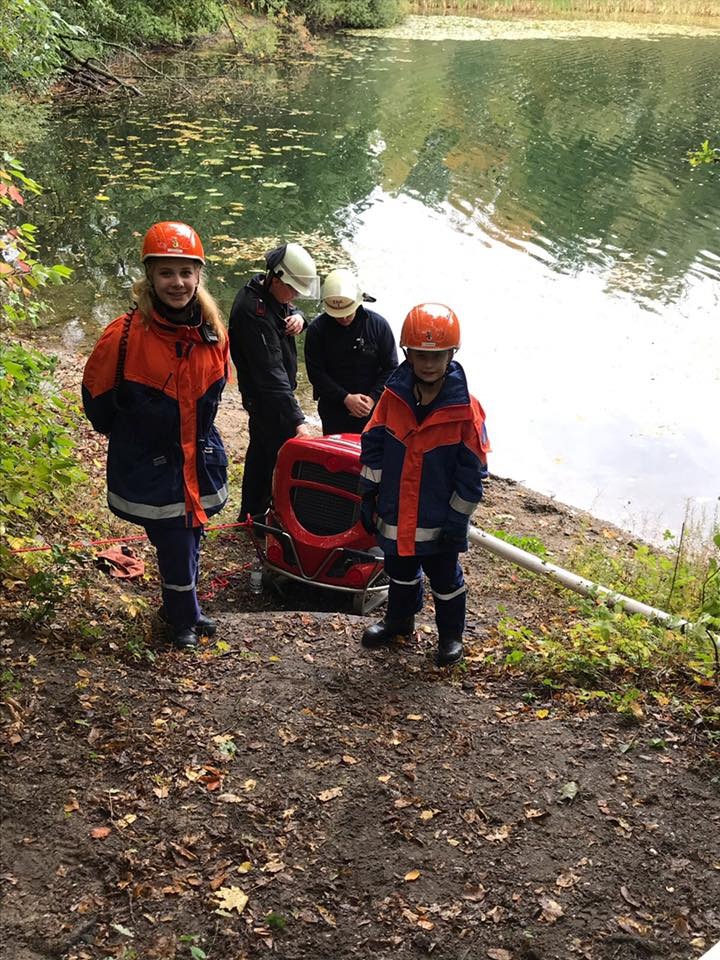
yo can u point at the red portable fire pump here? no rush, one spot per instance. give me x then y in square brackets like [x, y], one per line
[312, 531]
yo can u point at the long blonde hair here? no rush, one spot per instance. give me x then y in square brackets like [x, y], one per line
[142, 294]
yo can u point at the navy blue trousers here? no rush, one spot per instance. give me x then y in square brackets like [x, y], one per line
[405, 594]
[178, 555]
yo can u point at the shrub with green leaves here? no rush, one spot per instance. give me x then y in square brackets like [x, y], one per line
[37, 466]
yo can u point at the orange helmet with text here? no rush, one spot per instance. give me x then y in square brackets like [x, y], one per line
[172, 239]
[430, 326]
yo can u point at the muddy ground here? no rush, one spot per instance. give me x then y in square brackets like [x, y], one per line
[287, 792]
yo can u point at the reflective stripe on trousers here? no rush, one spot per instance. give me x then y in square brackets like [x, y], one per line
[178, 556]
[405, 595]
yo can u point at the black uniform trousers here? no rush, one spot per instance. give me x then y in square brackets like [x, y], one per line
[266, 438]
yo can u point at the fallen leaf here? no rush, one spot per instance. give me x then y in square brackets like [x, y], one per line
[541, 714]
[532, 813]
[384, 777]
[349, 760]
[245, 867]
[411, 875]
[415, 716]
[426, 924]
[230, 798]
[330, 794]
[497, 953]
[631, 925]
[428, 814]
[551, 909]
[249, 785]
[126, 820]
[566, 879]
[231, 898]
[497, 836]
[99, 833]
[326, 915]
[273, 866]
[569, 791]
[627, 896]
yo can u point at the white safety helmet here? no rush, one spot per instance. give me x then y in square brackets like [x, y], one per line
[294, 266]
[341, 293]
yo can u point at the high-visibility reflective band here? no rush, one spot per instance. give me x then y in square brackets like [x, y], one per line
[406, 583]
[374, 476]
[450, 596]
[462, 506]
[178, 587]
[422, 534]
[147, 510]
[214, 499]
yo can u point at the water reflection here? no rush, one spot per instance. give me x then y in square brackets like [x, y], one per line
[537, 186]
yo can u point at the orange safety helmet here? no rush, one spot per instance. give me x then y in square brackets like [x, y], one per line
[172, 239]
[430, 326]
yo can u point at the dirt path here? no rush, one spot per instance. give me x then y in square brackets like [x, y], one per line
[366, 804]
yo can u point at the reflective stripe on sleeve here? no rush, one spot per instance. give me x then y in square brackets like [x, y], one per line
[422, 534]
[215, 499]
[146, 510]
[374, 476]
[462, 506]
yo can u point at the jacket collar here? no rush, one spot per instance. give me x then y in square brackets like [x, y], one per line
[174, 331]
[454, 392]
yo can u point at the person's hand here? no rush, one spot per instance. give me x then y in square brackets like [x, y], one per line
[359, 404]
[368, 509]
[302, 430]
[454, 536]
[294, 325]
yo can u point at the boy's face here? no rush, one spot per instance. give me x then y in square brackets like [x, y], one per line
[429, 365]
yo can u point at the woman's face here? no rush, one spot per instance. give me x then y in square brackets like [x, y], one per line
[175, 280]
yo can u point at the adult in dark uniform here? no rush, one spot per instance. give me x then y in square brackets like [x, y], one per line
[262, 330]
[349, 354]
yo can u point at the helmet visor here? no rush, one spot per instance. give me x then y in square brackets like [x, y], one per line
[306, 286]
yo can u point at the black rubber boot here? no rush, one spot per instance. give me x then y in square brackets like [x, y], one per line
[183, 638]
[205, 627]
[450, 651]
[381, 634]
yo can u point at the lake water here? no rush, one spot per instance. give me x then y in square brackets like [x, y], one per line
[537, 185]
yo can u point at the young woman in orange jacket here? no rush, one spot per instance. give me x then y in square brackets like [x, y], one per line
[152, 385]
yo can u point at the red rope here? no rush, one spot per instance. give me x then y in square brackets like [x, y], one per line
[98, 543]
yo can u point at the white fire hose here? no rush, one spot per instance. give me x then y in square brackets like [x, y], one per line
[535, 564]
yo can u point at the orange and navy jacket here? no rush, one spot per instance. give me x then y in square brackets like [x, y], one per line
[166, 462]
[427, 475]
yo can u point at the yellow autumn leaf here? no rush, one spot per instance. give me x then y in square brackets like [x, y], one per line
[329, 794]
[101, 196]
[427, 814]
[384, 777]
[541, 714]
[245, 867]
[412, 875]
[415, 716]
[231, 898]
[249, 785]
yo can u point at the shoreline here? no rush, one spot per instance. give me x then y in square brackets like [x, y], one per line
[439, 26]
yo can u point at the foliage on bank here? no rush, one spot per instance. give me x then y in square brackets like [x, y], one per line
[37, 467]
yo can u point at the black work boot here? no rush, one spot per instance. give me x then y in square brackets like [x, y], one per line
[450, 651]
[205, 627]
[381, 634]
[183, 638]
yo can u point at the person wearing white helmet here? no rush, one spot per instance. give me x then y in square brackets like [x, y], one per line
[262, 329]
[349, 354]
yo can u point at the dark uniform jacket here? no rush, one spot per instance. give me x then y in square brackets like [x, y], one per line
[354, 359]
[166, 462]
[265, 357]
[427, 475]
